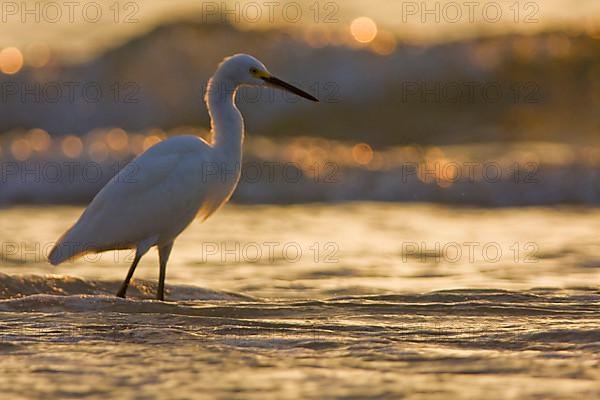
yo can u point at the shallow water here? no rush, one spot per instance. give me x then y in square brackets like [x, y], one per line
[384, 301]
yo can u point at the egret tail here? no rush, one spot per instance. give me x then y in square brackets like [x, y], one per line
[65, 249]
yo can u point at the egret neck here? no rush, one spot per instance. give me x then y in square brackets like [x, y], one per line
[227, 124]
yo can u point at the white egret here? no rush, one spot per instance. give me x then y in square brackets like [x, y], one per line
[155, 197]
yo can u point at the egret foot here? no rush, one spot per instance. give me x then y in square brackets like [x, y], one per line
[122, 291]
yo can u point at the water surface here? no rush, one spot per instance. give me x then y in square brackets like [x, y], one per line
[367, 300]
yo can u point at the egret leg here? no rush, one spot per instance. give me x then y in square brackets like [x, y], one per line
[163, 256]
[125, 284]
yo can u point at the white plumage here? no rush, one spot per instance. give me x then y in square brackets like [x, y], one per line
[155, 197]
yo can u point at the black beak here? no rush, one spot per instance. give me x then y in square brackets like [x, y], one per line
[273, 81]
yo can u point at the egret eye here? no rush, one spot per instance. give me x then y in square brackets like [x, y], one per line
[253, 71]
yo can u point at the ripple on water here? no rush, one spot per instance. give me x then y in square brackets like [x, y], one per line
[58, 330]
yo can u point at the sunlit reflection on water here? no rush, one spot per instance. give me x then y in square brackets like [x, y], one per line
[312, 301]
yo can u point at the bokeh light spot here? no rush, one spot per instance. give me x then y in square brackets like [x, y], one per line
[72, 146]
[117, 139]
[11, 60]
[98, 151]
[20, 149]
[362, 153]
[38, 54]
[384, 44]
[364, 29]
[40, 140]
[136, 143]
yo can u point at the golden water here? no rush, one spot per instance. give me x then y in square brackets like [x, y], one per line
[366, 300]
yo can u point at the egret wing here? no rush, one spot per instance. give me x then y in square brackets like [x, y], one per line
[146, 198]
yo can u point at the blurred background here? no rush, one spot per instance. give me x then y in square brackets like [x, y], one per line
[491, 103]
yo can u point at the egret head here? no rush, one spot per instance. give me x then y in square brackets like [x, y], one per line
[245, 70]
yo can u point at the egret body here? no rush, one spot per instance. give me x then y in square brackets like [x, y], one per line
[155, 197]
